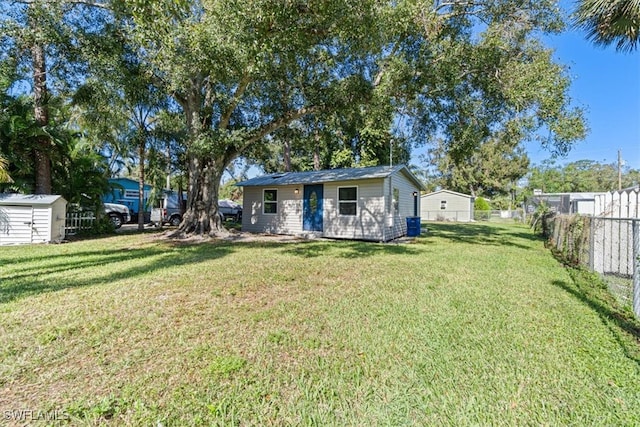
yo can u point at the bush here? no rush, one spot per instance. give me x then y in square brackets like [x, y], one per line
[481, 204]
[482, 209]
[100, 227]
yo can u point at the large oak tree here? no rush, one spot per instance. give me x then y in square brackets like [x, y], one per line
[226, 64]
[241, 70]
[336, 79]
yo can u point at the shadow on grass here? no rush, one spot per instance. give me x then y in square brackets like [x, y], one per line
[47, 272]
[78, 260]
[349, 249]
[589, 290]
[106, 266]
[481, 233]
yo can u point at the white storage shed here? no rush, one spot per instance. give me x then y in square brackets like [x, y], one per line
[445, 205]
[30, 218]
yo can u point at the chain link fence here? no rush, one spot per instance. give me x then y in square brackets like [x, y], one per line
[474, 215]
[516, 215]
[609, 246]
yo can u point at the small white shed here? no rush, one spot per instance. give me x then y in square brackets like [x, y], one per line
[31, 218]
[445, 205]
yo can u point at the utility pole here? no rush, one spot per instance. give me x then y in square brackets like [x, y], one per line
[619, 170]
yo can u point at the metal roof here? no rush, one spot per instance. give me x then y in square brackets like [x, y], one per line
[328, 175]
[572, 196]
[468, 196]
[12, 199]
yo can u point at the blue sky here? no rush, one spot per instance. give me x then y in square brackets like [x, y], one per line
[606, 84]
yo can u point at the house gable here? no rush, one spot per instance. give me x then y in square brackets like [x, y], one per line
[447, 205]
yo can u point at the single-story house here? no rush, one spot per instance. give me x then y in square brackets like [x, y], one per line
[370, 203]
[446, 205]
[29, 218]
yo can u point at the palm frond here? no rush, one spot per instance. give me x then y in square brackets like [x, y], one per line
[4, 174]
[610, 22]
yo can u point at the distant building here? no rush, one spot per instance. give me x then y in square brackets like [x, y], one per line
[125, 191]
[566, 203]
[446, 205]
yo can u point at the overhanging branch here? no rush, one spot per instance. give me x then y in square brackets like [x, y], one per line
[265, 130]
[242, 86]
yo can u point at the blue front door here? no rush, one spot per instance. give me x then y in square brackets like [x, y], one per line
[312, 208]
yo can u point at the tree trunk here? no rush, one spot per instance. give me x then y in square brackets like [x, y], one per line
[141, 157]
[316, 151]
[287, 155]
[202, 214]
[42, 149]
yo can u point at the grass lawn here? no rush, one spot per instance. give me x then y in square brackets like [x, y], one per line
[472, 324]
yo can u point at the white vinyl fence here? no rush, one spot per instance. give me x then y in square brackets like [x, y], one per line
[608, 243]
[618, 204]
[78, 221]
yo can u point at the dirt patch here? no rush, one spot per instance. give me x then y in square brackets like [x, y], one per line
[177, 237]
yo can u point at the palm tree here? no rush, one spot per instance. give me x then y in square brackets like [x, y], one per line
[608, 22]
[4, 173]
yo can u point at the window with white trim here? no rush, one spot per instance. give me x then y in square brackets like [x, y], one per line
[347, 200]
[270, 202]
[131, 194]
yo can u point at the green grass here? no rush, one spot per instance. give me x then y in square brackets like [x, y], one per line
[472, 324]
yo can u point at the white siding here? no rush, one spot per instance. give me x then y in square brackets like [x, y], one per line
[406, 189]
[58, 219]
[41, 225]
[15, 225]
[458, 207]
[368, 223]
[374, 219]
[288, 220]
[585, 207]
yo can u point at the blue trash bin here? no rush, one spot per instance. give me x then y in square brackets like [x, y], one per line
[413, 226]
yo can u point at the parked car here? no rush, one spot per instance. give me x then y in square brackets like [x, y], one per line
[171, 213]
[230, 210]
[117, 213]
[172, 216]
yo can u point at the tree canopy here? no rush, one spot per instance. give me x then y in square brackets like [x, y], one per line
[580, 176]
[492, 170]
[325, 83]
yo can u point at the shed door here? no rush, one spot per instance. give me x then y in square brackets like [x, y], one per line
[312, 208]
[16, 224]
